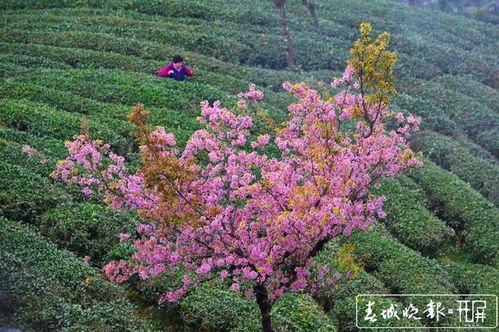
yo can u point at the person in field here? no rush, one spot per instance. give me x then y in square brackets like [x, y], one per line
[176, 69]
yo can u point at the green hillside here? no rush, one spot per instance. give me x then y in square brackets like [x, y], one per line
[62, 61]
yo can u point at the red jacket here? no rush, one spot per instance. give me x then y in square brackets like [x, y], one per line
[178, 74]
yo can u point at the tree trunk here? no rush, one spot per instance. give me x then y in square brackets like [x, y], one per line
[290, 52]
[265, 306]
[443, 5]
[311, 9]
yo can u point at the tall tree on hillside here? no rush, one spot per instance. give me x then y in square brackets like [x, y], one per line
[290, 51]
[444, 5]
[311, 9]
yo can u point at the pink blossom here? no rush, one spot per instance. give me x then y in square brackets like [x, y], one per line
[261, 141]
[250, 275]
[299, 284]
[287, 86]
[124, 236]
[249, 293]
[235, 287]
[251, 93]
[204, 269]
[30, 151]
[87, 191]
[323, 270]
[172, 296]
[242, 104]
[143, 228]
[347, 76]
[300, 272]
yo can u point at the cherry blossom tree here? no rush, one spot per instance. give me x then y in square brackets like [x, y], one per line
[222, 207]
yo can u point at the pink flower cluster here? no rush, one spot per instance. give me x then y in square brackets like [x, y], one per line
[261, 142]
[92, 165]
[347, 77]
[260, 220]
[252, 93]
[30, 151]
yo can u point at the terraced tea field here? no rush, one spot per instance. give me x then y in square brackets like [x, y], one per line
[63, 61]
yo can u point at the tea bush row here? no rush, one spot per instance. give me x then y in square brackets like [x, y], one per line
[409, 220]
[44, 288]
[462, 208]
[481, 174]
